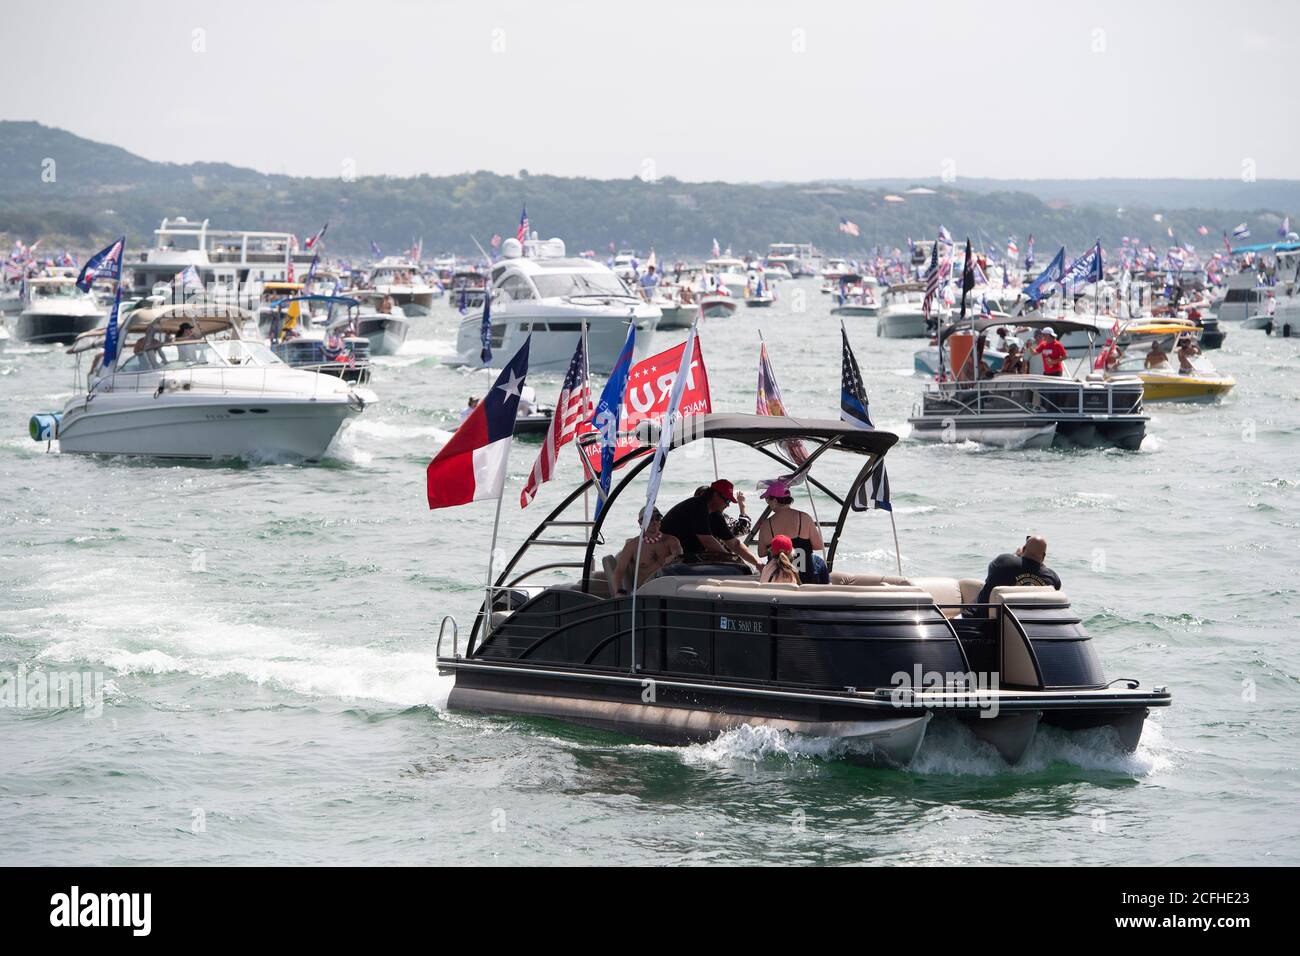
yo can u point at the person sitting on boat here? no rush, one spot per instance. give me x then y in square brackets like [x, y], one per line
[1187, 351]
[796, 526]
[1114, 355]
[686, 296]
[1157, 357]
[739, 525]
[658, 550]
[469, 407]
[1015, 362]
[1023, 569]
[780, 567]
[385, 306]
[1053, 353]
[1004, 339]
[699, 524]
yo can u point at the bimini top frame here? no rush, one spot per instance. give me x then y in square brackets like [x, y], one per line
[763, 433]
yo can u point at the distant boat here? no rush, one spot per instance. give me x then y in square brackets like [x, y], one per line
[56, 311]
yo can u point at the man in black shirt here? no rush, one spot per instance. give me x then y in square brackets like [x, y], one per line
[1025, 568]
[700, 526]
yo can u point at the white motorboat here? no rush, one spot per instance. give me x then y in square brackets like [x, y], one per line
[730, 272]
[797, 258]
[717, 304]
[56, 311]
[901, 316]
[373, 317]
[536, 289]
[202, 393]
[678, 306]
[401, 278]
[857, 296]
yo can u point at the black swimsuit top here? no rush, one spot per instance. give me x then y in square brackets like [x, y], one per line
[802, 555]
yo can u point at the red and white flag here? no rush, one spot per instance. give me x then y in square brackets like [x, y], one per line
[570, 410]
[472, 465]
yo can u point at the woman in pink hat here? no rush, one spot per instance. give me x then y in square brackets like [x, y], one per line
[804, 534]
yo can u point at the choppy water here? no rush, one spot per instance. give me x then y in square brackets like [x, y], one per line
[267, 631]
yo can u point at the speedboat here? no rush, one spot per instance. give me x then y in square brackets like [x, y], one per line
[372, 316]
[402, 279]
[857, 297]
[678, 307]
[56, 311]
[717, 303]
[466, 290]
[537, 289]
[864, 663]
[901, 317]
[834, 271]
[1149, 354]
[211, 395]
[759, 293]
[730, 272]
[1025, 411]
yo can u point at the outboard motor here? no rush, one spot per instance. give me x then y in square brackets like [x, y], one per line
[44, 426]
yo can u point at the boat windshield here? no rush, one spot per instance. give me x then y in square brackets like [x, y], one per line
[243, 352]
[557, 285]
[56, 290]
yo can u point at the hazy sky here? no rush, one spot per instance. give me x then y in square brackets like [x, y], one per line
[799, 89]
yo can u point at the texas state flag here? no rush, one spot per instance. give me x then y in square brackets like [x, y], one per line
[472, 465]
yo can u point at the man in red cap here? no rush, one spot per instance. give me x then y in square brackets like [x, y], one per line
[699, 525]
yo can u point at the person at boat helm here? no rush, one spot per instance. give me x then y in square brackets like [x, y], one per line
[1025, 568]
[1053, 353]
[657, 551]
[1187, 350]
[702, 528]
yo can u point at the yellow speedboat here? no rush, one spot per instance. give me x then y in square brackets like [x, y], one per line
[1151, 351]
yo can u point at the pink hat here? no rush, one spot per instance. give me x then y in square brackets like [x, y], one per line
[776, 489]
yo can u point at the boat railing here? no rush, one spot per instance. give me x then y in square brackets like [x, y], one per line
[455, 637]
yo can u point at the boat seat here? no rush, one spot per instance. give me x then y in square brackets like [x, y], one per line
[609, 564]
[1017, 664]
[498, 618]
[857, 577]
[970, 589]
[946, 592]
[1038, 596]
[741, 589]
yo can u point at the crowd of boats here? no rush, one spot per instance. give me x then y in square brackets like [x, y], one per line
[220, 351]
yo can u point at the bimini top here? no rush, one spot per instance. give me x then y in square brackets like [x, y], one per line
[1058, 325]
[336, 299]
[205, 318]
[758, 431]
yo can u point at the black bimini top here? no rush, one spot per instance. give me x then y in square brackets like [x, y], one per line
[760, 430]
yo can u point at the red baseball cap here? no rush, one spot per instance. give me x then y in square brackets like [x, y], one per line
[725, 488]
[781, 544]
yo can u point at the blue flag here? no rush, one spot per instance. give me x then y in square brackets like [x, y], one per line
[374, 247]
[1054, 273]
[1087, 268]
[485, 327]
[105, 264]
[111, 332]
[853, 394]
[608, 411]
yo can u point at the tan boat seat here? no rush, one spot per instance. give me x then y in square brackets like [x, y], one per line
[970, 589]
[1035, 596]
[856, 577]
[751, 589]
[946, 591]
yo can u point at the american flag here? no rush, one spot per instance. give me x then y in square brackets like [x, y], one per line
[931, 280]
[1013, 249]
[849, 228]
[570, 410]
[522, 233]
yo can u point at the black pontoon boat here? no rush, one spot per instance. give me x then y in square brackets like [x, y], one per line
[866, 660]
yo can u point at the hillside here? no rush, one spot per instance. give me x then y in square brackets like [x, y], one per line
[101, 190]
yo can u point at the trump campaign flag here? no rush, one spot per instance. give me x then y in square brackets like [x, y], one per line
[105, 264]
[472, 465]
[666, 428]
[649, 384]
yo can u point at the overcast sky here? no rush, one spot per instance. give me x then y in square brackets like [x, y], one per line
[798, 89]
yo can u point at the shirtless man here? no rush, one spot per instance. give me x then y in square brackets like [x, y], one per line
[657, 551]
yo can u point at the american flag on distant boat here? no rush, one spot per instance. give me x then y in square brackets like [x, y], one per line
[931, 281]
[944, 235]
[849, 228]
[522, 232]
[1013, 250]
[570, 409]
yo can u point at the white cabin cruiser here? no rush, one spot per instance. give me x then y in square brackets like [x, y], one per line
[401, 278]
[731, 272]
[537, 289]
[186, 385]
[56, 311]
[902, 316]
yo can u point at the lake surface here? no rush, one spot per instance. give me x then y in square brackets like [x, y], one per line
[266, 636]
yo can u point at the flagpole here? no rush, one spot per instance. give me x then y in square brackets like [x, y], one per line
[898, 554]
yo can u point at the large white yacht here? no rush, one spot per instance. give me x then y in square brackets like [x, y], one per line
[232, 264]
[201, 392]
[402, 279]
[55, 310]
[731, 272]
[536, 287]
[799, 258]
